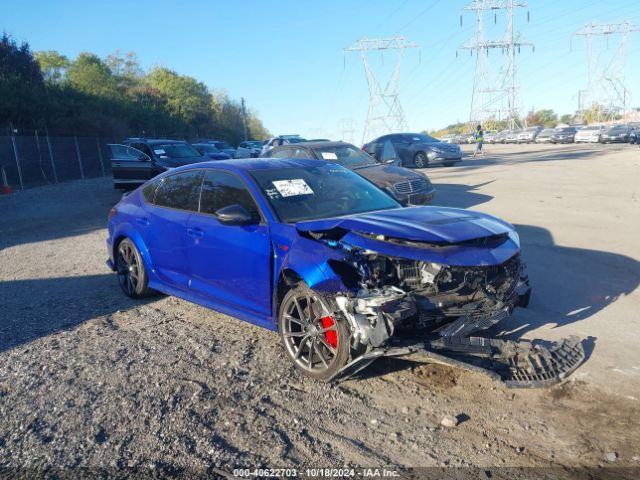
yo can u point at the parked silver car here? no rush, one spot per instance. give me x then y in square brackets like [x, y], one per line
[545, 135]
[249, 149]
[528, 135]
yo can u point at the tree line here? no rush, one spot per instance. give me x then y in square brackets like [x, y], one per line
[113, 96]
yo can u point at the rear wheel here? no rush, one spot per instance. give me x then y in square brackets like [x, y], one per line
[132, 276]
[315, 341]
[421, 160]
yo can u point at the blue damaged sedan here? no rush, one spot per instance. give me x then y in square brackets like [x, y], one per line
[335, 265]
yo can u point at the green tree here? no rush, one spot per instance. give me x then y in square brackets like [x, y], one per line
[126, 69]
[566, 118]
[52, 64]
[547, 118]
[21, 83]
[114, 96]
[186, 98]
[89, 74]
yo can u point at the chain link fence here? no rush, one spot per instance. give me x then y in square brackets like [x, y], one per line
[32, 160]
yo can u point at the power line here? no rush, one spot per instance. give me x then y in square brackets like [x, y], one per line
[606, 93]
[488, 88]
[385, 114]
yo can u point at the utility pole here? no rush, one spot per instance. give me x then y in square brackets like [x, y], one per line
[244, 118]
[606, 90]
[384, 114]
[491, 92]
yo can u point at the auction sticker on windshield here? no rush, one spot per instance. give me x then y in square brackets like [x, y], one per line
[329, 156]
[159, 151]
[293, 187]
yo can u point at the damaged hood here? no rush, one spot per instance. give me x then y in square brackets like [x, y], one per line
[433, 225]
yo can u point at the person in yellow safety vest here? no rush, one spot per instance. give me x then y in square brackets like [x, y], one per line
[479, 141]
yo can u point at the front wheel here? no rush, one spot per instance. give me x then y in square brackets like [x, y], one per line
[421, 160]
[315, 340]
[132, 275]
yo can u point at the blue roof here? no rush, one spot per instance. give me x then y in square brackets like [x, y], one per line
[260, 163]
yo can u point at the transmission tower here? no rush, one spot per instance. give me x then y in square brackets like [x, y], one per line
[495, 95]
[347, 130]
[606, 95]
[384, 114]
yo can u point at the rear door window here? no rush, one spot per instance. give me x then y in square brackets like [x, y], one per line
[180, 191]
[222, 189]
[149, 191]
[388, 151]
[281, 153]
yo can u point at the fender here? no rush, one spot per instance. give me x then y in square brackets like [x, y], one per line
[308, 258]
[126, 229]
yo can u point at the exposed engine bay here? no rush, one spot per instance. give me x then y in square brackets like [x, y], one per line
[429, 311]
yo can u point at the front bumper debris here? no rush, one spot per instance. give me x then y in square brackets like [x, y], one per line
[517, 364]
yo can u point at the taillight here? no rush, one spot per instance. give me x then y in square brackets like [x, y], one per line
[112, 212]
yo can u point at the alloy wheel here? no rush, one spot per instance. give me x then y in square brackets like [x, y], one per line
[421, 160]
[310, 336]
[128, 268]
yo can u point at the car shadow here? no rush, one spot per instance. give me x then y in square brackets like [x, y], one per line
[569, 284]
[35, 308]
[460, 195]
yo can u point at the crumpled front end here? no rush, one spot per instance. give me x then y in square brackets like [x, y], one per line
[430, 310]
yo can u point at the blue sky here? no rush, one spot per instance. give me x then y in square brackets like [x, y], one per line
[286, 56]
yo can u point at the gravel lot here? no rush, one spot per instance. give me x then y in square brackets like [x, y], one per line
[92, 379]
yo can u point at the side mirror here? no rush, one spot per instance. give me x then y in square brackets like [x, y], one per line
[144, 158]
[234, 215]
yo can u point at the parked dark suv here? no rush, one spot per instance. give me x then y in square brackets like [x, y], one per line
[409, 188]
[137, 160]
[415, 149]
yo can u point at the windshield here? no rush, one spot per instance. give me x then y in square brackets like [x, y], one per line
[617, 129]
[221, 145]
[566, 130]
[590, 128]
[206, 148]
[254, 144]
[547, 131]
[346, 155]
[421, 137]
[175, 150]
[310, 193]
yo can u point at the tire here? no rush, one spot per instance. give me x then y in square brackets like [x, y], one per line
[132, 274]
[420, 160]
[318, 346]
[449, 164]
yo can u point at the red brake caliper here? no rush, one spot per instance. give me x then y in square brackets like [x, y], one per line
[332, 335]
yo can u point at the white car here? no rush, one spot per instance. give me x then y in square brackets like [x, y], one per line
[590, 134]
[249, 149]
[280, 140]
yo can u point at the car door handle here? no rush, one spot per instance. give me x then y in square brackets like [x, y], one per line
[195, 232]
[144, 221]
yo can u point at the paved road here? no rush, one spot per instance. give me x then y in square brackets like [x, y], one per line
[577, 210]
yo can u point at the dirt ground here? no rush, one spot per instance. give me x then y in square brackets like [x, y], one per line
[91, 379]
